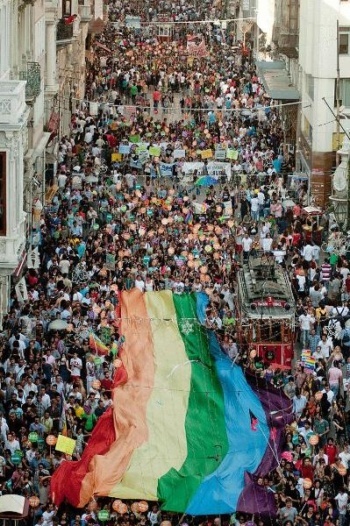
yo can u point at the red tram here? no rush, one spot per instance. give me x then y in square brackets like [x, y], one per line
[265, 309]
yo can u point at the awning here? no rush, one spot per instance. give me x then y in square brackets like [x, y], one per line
[54, 122]
[41, 145]
[276, 82]
[18, 270]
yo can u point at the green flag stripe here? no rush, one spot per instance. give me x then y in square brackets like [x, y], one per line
[207, 442]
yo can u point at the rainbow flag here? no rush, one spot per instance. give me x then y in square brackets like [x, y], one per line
[307, 360]
[97, 345]
[180, 430]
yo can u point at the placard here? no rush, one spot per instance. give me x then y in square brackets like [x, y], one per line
[134, 138]
[154, 151]
[110, 261]
[232, 154]
[116, 157]
[124, 149]
[206, 154]
[65, 445]
[220, 154]
[179, 154]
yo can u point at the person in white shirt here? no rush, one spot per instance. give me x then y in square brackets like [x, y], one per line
[345, 456]
[266, 243]
[4, 428]
[342, 504]
[45, 398]
[178, 286]
[76, 366]
[247, 243]
[340, 310]
[306, 321]
[139, 283]
[320, 455]
[12, 443]
[30, 386]
[326, 346]
[308, 252]
[254, 203]
[329, 393]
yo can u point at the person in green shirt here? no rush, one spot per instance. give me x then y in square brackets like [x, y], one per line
[333, 260]
[321, 428]
[133, 90]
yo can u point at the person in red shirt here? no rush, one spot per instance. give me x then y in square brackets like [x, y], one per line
[306, 469]
[331, 451]
[107, 382]
[156, 98]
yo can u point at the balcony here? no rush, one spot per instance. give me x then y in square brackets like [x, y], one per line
[85, 12]
[64, 33]
[32, 75]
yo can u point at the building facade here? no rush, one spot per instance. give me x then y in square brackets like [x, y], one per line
[42, 66]
[324, 57]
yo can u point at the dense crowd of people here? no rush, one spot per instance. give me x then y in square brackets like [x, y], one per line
[117, 220]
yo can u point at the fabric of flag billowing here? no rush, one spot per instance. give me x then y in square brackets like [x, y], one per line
[97, 345]
[188, 428]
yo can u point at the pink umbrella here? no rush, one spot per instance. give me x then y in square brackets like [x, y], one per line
[287, 455]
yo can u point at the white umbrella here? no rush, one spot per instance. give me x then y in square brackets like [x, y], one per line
[91, 179]
[58, 325]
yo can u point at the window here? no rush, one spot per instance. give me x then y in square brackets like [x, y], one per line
[66, 7]
[344, 93]
[310, 85]
[2, 193]
[307, 130]
[344, 34]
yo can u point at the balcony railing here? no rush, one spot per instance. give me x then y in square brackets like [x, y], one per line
[64, 31]
[32, 75]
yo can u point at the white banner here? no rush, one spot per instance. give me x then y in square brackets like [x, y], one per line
[188, 169]
[218, 169]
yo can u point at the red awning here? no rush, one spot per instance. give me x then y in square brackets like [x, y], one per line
[54, 122]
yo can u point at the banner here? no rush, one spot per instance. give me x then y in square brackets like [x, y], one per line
[135, 163]
[116, 157]
[218, 169]
[143, 156]
[133, 21]
[188, 169]
[166, 169]
[196, 46]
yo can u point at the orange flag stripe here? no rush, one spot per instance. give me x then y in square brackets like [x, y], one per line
[129, 400]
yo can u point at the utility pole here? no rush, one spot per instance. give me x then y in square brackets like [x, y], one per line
[337, 94]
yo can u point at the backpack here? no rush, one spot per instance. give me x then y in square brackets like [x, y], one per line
[346, 337]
